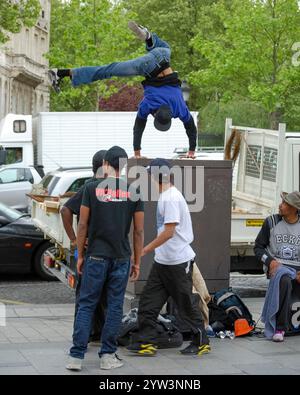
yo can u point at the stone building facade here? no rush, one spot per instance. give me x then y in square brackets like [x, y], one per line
[23, 68]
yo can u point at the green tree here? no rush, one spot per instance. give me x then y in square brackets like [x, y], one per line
[15, 14]
[251, 58]
[88, 33]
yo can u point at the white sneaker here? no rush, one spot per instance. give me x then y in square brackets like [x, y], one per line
[278, 336]
[54, 79]
[140, 31]
[110, 361]
[74, 364]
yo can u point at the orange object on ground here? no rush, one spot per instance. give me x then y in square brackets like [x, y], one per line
[242, 327]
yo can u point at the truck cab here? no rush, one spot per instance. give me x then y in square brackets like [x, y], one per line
[16, 140]
[267, 164]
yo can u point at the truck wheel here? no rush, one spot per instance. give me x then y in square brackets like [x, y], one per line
[39, 266]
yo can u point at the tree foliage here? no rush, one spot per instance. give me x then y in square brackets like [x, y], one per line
[87, 33]
[15, 14]
[252, 57]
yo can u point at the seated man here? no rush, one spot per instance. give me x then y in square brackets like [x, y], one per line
[162, 93]
[278, 247]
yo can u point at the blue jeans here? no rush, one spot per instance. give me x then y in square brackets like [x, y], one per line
[96, 272]
[159, 53]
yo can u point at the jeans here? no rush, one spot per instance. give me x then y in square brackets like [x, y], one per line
[159, 53]
[99, 314]
[96, 272]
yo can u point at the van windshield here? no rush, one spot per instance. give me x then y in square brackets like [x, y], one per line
[14, 155]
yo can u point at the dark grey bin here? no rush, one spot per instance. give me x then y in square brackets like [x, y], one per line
[211, 226]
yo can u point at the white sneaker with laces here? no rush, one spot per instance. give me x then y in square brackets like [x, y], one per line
[110, 361]
[74, 364]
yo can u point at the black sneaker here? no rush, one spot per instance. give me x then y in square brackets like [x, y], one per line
[145, 350]
[140, 31]
[194, 349]
[54, 79]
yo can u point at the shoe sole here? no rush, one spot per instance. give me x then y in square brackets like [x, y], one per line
[53, 81]
[74, 369]
[112, 367]
[205, 349]
[137, 31]
[146, 351]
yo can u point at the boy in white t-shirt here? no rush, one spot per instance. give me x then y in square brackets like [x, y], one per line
[171, 273]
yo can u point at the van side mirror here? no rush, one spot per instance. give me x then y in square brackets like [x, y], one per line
[3, 155]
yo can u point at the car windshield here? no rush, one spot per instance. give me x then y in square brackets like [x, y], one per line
[9, 213]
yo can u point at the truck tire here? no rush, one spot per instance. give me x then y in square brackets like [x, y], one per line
[38, 263]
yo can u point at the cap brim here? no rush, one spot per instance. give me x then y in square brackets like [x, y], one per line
[283, 195]
[162, 127]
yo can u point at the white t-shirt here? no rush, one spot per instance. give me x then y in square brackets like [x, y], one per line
[172, 208]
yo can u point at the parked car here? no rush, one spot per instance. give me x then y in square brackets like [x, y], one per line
[15, 183]
[22, 245]
[63, 180]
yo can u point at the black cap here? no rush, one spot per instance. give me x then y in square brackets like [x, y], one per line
[113, 156]
[163, 118]
[160, 169]
[98, 160]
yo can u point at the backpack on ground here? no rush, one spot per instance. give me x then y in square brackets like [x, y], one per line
[234, 307]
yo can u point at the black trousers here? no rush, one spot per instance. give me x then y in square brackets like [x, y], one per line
[165, 281]
[287, 285]
[99, 314]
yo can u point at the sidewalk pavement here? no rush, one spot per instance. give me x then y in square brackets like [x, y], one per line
[36, 340]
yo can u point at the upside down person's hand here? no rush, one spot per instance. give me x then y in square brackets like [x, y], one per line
[191, 155]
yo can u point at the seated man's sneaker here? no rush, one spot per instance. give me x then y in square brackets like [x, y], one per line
[74, 364]
[110, 361]
[278, 336]
[54, 79]
[140, 31]
[145, 350]
[194, 349]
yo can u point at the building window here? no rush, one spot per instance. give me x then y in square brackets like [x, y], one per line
[19, 126]
[43, 14]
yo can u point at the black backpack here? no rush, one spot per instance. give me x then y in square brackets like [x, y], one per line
[233, 305]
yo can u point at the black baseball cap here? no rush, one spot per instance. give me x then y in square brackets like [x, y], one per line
[163, 118]
[98, 160]
[160, 169]
[113, 156]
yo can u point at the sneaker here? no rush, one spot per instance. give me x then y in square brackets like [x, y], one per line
[278, 336]
[145, 350]
[74, 364]
[54, 79]
[110, 361]
[140, 31]
[194, 349]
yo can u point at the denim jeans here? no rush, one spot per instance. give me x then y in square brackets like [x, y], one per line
[159, 53]
[96, 272]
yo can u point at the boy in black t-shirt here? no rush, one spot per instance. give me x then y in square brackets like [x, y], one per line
[106, 214]
[70, 208]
